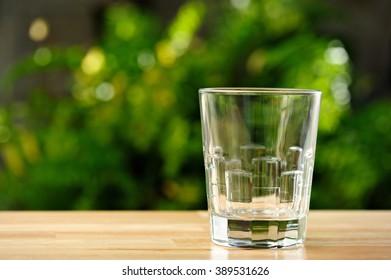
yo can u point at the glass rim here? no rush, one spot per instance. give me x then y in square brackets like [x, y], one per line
[258, 91]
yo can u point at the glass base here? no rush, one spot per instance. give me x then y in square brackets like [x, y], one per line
[269, 233]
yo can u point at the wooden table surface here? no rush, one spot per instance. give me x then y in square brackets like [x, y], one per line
[181, 235]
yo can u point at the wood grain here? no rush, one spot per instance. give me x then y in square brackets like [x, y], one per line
[180, 235]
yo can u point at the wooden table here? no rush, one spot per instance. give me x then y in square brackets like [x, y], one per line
[181, 235]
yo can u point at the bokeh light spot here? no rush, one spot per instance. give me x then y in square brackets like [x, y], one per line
[39, 29]
[165, 54]
[42, 56]
[336, 53]
[93, 62]
[340, 90]
[146, 60]
[105, 91]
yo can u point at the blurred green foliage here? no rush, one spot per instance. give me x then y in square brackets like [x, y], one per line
[128, 136]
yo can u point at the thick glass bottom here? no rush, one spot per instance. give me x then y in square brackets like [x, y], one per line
[266, 233]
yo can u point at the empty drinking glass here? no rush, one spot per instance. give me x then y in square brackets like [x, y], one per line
[259, 151]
